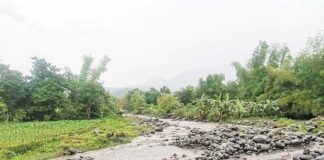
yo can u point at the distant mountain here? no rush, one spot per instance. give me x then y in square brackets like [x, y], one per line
[176, 82]
[184, 79]
[118, 91]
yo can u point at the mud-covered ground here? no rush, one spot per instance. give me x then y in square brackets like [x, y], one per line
[190, 140]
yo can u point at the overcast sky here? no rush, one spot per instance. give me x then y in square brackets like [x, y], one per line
[151, 38]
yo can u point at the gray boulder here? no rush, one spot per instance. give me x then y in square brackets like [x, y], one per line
[260, 139]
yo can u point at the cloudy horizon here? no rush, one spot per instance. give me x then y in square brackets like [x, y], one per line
[148, 39]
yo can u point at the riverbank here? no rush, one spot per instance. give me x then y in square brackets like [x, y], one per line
[183, 140]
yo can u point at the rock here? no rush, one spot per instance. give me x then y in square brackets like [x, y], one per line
[110, 135]
[81, 158]
[320, 157]
[260, 139]
[96, 131]
[86, 158]
[320, 134]
[313, 154]
[296, 157]
[121, 134]
[279, 144]
[305, 157]
[310, 129]
[264, 147]
[295, 142]
[233, 128]
[321, 152]
[306, 151]
[158, 129]
[207, 143]
[72, 151]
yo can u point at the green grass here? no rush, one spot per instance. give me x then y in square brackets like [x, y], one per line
[284, 122]
[43, 140]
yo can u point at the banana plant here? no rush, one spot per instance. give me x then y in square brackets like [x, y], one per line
[240, 108]
[202, 107]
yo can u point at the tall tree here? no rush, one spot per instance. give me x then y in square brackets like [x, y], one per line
[212, 86]
[48, 90]
[151, 96]
[12, 91]
[87, 93]
[186, 95]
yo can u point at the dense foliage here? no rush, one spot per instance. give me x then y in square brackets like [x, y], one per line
[51, 93]
[273, 83]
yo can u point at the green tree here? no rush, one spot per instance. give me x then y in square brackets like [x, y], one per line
[86, 92]
[129, 107]
[13, 92]
[167, 103]
[138, 102]
[48, 91]
[231, 89]
[186, 95]
[151, 96]
[4, 112]
[211, 87]
[165, 90]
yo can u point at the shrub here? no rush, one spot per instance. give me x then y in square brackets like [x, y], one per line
[167, 103]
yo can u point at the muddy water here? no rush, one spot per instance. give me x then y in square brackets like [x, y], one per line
[156, 146]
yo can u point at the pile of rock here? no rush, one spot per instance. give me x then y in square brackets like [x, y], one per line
[317, 154]
[157, 124]
[315, 125]
[258, 123]
[231, 141]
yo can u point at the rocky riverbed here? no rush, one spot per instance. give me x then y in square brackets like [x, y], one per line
[189, 140]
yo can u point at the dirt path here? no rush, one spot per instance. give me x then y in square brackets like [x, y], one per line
[157, 146]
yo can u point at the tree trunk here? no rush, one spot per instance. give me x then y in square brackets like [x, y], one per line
[89, 112]
[7, 117]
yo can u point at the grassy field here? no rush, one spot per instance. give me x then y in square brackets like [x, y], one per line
[43, 140]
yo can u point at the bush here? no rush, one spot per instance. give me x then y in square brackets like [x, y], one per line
[151, 110]
[167, 103]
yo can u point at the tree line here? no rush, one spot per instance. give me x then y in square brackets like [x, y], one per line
[52, 93]
[272, 83]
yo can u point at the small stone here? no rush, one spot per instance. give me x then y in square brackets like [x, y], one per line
[295, 142]
[158, 129]
[305, 157]
[279, 144]
[306, 152]
[265, 147]
[96, 131]
[320, 157]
